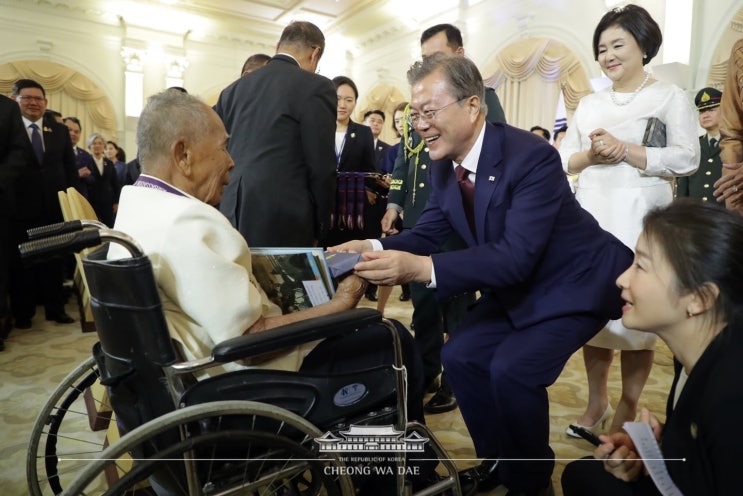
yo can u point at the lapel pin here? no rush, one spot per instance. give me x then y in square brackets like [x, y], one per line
[491, 178]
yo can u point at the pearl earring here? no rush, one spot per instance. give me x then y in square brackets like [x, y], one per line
[644, 55]
[689, 314]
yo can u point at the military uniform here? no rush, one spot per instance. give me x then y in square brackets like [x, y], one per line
[701, 183]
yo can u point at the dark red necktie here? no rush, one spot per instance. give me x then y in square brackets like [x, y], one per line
[468, 195]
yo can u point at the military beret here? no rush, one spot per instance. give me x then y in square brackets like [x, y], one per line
[707, 98]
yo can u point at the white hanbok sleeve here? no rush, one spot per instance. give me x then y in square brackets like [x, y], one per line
[680, 156]
[206, 270]
[572, 142]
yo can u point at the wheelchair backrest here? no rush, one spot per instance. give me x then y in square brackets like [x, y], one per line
[134, 340]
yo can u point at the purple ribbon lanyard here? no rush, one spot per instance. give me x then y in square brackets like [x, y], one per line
[154, 183]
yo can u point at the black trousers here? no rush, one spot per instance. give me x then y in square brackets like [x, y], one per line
[5, 247]
[431, 319]
[587, 477]
[34, 282]
[369, 348]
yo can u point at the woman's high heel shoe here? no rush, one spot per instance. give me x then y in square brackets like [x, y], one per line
[601, 422]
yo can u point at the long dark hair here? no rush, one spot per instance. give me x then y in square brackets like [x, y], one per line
[702, 243]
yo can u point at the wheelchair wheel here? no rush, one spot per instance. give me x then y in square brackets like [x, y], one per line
[229, 447]
[62, 431]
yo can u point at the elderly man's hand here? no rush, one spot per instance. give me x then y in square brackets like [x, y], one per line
[349, 291]
[391, 267]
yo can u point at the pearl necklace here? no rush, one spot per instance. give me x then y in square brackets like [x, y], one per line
[632, 96]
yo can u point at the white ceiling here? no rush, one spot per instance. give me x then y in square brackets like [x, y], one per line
[256, 21]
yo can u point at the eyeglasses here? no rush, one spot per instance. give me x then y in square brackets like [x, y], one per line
[429, 115]
[29, 98]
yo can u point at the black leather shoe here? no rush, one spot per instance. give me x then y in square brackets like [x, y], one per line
[23, 324]
[442, 401]
[371, 296]
[404, 296]
[434, 385]
[487, 472]
[468, 480]
[479, 479]
[61, 318]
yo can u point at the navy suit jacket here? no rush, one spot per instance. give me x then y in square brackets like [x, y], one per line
[380, 154]
[36, 189]
[536, 250]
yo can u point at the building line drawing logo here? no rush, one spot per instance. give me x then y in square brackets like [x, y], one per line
[371, 439]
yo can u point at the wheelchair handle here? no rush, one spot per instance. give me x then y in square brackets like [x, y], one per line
[60, 244]
[76, 241]
[62, 228]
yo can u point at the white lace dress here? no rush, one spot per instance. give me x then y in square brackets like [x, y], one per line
[619, 195]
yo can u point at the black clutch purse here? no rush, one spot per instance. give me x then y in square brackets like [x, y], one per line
[655, 133]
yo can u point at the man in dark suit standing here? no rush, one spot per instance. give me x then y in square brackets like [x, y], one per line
[281, 121]
[12, 161]
[375, 120]
[545, 269]
[83, 159]
[50, 168]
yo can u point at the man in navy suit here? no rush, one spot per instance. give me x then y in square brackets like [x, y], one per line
[543, 266]
[83, 159]
[50, 168]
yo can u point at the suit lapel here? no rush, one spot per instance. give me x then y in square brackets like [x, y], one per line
[488, 176]
[350, 134]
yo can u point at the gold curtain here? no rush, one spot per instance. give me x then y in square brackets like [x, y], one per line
[529, 76]
[384, 97]
[68, 92]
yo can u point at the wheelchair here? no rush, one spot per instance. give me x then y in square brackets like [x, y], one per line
[252, 431]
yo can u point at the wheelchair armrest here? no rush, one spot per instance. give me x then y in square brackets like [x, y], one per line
[250, 345]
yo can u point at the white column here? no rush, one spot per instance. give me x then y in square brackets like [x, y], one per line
[677, 31]
[134, 80]
[175, 66]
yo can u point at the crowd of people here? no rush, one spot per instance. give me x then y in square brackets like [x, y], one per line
[511, 269]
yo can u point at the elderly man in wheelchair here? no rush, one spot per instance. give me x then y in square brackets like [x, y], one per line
[264, 403]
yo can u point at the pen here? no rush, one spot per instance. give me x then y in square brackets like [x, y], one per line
[587, 435]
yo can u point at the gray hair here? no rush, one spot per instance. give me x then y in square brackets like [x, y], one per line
[169, 116]
[462, 76]
[93, 137]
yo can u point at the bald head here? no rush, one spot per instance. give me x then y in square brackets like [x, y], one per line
[183, 141]
[167, 117]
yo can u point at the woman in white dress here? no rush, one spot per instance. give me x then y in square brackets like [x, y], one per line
[621, 179]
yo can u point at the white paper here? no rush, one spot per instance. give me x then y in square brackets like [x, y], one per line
[648, 449]
[316, 292]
